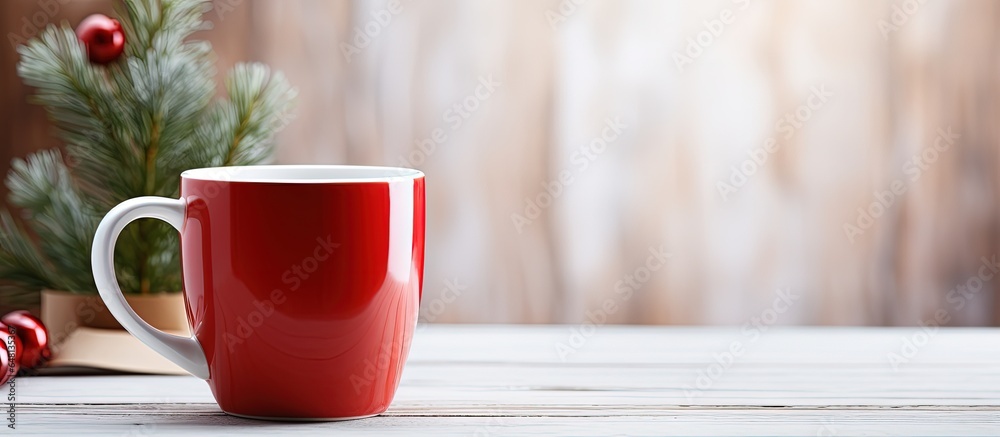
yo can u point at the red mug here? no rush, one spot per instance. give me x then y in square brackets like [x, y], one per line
[302, 284]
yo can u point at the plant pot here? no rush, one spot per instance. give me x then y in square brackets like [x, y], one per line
[64, 311]
[85, 334]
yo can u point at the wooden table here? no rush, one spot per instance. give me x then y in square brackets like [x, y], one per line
[610, 380]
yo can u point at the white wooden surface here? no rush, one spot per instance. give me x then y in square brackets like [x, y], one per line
[511, 380]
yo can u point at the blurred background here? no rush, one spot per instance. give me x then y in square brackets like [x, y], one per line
[661, 162]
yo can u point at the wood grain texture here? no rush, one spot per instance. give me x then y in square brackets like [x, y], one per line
[501, 380]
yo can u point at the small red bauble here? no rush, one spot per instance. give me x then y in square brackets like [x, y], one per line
[9, 365]
[33, 335]
[103, 37]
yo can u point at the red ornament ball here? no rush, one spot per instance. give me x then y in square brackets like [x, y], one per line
[103, 37]
[32, 335]
[10, 356]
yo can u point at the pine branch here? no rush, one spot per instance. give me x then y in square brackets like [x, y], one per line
[81, 102]
[22, 268]
[176, 92]
[166, 85]
[169, 21]
[63, 222]
[242, 127]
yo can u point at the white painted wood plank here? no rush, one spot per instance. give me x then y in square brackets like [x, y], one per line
[947, 371]
[675, 345]
[461, 385]
[182, 419]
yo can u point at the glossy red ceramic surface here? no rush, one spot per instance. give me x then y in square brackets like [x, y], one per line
[304, 296]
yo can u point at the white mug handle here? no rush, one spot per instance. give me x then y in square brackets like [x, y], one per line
[186, 352]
